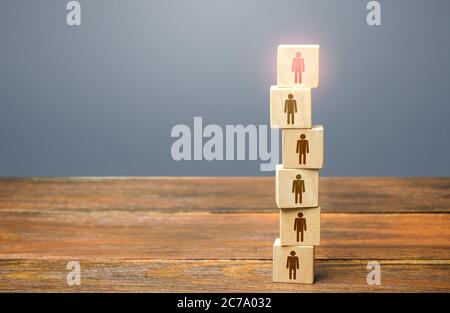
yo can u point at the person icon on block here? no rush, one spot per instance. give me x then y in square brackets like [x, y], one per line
[298, 188]
[302, 149]
[298, 67]
[292, 264]
[290, 108]
[300, 225]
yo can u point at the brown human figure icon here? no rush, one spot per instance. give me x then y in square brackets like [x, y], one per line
[298, 188]
[302, 149]
[292, 264]
[290, 108]
[300, 225]
[298, 67]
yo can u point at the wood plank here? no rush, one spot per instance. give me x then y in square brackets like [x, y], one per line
[220, 194]
[217, 276]
[143, 235]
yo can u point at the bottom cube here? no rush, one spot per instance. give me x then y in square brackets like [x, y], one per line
[293, 264]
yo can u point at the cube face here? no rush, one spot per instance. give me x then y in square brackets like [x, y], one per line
[290, 107]
[303, 148]
[293, 264]
[296, 188]
[300, 227]
[298, 65]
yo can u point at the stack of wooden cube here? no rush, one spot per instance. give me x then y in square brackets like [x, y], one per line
[297, 179]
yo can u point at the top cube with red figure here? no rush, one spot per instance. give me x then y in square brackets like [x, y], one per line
[298, 66]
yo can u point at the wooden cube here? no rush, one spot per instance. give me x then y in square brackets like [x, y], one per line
[303, 148]
[298, 65]
[293, 264]
[296, 188]
[290, 107]
[300, 227]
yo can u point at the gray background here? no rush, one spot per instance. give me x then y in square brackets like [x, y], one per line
[101, 99]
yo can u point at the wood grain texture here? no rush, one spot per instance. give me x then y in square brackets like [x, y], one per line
[143, 235]
[216, 234]
[220, 194]
[217, 276]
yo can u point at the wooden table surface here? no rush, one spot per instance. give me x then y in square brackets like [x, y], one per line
[215, 234]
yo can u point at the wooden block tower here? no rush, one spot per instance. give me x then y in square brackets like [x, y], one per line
[297, 179]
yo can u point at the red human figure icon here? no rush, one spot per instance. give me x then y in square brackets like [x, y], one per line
[298, 67]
